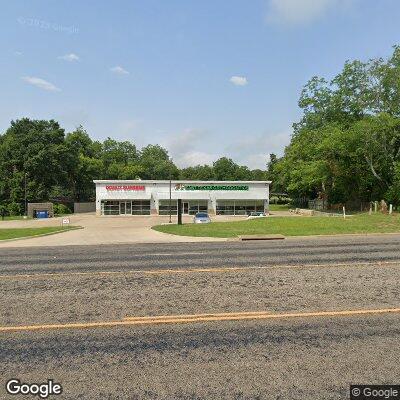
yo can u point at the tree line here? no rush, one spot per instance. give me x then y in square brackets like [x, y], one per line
[51, 165]
[346, 147]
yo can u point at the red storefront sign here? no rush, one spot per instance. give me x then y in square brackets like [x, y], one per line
[125, 187]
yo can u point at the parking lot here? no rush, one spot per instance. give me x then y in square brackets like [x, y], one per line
[103, 230]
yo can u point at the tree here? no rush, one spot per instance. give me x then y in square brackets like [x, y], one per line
[347, 144]
[198, 172]
[86, 165]
[225, 169]
[35, 149]
[118, 152]
[156, 163]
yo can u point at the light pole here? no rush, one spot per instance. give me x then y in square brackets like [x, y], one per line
[26, 201]
[170, 190]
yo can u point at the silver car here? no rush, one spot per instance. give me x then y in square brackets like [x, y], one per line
[201, 218]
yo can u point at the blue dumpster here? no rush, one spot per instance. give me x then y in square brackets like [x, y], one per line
[42, 214]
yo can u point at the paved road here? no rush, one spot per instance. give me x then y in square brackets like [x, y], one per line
[298, 357]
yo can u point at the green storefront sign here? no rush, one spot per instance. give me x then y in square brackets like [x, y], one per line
[211, 187]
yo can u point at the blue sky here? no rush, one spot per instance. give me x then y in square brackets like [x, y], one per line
[203, 78]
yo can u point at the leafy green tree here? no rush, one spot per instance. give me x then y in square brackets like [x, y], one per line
[34, 149]
[198, 172]
[346, 145]
[393, 193]
[156, 163]
[258, 175]
[225, 169]
[119, 152]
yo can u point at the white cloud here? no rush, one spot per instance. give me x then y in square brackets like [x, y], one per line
[71, 116]
[295, 12]
[119, 70]
[184, 148]
[239, 80]
[18, 53]
[253, 150]
[69, 57]
[129, 125]
[41, 83]
[192, 158]
[194, 146]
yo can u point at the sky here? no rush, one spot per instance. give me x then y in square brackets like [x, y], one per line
[204, 79]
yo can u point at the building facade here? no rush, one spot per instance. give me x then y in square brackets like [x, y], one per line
[152, 197]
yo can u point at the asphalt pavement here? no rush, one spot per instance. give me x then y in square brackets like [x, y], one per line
[304, 351]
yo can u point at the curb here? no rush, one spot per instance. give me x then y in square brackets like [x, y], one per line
[237, 238]
[344, 235]
[211, 238]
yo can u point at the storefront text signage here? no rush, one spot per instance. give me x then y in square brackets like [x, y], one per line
[125, 187]
[211, 187]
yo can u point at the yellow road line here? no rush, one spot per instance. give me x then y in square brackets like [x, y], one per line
[194, 270]
[195, 318]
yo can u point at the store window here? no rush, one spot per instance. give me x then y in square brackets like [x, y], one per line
[109, 207]
[125, 207]
[163, 207]
[197, 206]
[190, 207]
[141, 207]
[239, 207]
[225, 207]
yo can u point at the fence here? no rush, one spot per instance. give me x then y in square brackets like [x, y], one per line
[84, 207]
[354, 205]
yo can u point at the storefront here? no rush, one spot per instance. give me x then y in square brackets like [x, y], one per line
[153, 197]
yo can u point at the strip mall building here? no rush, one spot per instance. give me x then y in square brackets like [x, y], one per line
[151, 197]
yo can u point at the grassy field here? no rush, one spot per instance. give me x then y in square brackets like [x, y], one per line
[19, 217]
[280, 207]
[12, 218]
[14, 233]
[290, 226]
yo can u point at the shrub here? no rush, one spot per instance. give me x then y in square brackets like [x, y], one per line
[14, 208]
[61, 209]
[3, 210]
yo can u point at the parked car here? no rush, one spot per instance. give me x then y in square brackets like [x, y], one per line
[256, 214]
[201, 218]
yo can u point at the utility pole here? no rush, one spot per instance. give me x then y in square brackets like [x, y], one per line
[170, 189]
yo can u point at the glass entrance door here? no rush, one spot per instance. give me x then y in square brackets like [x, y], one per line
[185, 208]
[125, 207]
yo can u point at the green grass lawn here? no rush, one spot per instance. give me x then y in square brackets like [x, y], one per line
[290, 226]
[13, 233]
[18, 217]
[280, 207]
[12, 218]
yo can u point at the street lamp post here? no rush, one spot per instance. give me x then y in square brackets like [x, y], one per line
[26, 204]
[170, 189]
